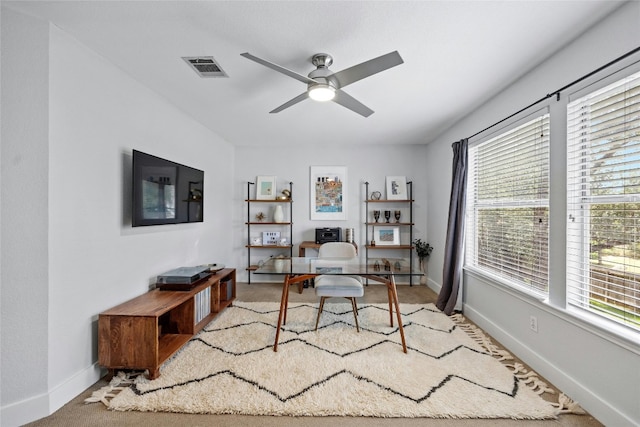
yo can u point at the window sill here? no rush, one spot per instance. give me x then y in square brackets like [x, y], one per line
[608, 330]
[510, 287]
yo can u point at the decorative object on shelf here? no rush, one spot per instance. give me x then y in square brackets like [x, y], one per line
[266, 188]
[423, 249]
[260, 216]
[376, 215]
[256, 241]
[283, 241]
[348, 235]
[286, 195]
[387, 216]
[278, 214]
[396, 188]
[278, 264]
[328, 190]
[373, 242]
[376, 195]
[397, 214]
[270, 238]
[386, 236]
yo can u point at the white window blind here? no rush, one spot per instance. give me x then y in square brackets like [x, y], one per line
[603, 230]
[508, 205]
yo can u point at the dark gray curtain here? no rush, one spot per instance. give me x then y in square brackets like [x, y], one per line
[454, 245]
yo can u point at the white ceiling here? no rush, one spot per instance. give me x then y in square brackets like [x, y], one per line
[457, 55]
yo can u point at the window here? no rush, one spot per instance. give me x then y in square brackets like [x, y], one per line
[508, 206]
[603, 177]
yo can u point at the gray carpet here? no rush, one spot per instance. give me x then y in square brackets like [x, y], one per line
[77, 413]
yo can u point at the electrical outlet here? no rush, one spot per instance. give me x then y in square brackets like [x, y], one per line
[533, 323]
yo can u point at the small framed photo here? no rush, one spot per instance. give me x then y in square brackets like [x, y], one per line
[397, 188]
[386, 236]
[266, 188]
[270, 238]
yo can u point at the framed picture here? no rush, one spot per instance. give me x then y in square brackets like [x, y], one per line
[397, 188]
[266, 188]
[270, 238]
[328, 191]
[386, 235]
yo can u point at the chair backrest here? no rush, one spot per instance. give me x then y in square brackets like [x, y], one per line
[337, 250]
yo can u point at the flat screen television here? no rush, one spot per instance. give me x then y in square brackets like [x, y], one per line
[165, 192]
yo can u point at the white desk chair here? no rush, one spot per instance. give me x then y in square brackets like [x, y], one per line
[330, 286]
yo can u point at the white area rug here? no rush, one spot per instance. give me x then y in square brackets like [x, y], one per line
[451, 369]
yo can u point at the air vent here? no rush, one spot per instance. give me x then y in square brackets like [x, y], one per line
[205, 66]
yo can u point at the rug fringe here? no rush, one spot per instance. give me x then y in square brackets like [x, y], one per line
[565, 404]
[119, 382]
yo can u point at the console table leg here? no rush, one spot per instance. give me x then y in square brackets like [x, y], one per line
[154, 373]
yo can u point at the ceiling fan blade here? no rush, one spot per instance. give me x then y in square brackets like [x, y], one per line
[300, 77]
[351, 103]
[368, 68]
[288, 104]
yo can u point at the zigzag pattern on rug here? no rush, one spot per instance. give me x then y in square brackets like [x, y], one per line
[234, 343]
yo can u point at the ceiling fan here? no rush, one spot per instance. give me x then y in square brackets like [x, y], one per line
[325, 85]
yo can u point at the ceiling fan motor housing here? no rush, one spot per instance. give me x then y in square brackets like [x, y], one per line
[324, 76]
[322, 60]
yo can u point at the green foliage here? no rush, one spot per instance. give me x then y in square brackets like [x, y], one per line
[628, 317]
[423, 249]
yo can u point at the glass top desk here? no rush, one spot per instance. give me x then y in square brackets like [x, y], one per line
[298, 270]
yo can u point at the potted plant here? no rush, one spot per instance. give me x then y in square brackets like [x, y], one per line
[423, 249]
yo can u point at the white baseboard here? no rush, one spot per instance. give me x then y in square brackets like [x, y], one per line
[434, 286]
[25, 411]
[592, 403]
[43, 405]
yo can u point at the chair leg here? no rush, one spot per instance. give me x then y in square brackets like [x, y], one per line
[320, 311]
[355, 312]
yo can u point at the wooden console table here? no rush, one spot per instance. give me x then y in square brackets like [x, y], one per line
[308, 244]
[144, 332]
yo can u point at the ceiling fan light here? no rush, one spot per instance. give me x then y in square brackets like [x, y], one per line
[322, 92]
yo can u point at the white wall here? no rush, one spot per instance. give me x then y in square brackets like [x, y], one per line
[24, 226]
[292, 163]
[598, 370]
[70, 251]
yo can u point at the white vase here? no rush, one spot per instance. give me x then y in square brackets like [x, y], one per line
[278, 214]
[423, 269]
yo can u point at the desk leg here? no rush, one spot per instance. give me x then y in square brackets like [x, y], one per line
[394, 292]
[390, 299]
[287, 281]
[283, 304]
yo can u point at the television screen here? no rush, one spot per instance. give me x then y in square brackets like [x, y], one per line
[165, 192]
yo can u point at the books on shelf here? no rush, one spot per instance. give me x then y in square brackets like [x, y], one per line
[202, 304]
